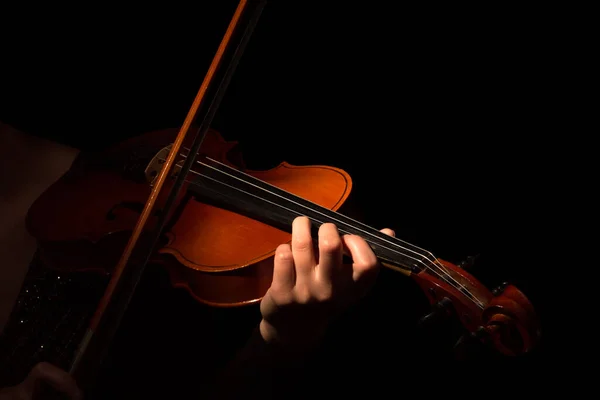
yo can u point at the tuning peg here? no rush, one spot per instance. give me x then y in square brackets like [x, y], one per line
[469, 343]
[468, 262]
[500, 288]
[441, 311]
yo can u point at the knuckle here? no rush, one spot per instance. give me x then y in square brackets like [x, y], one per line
[303, 295]
[303, 243]
[373, 262]
[369, 260]
[367, 264]
[330, 244]
[370, 266]
[284, 253]
[324, 294]
[329, 238]
[280, 295]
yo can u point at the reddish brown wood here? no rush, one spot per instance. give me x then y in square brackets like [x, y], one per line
[508, 317]
[225, 259]
[220, 257]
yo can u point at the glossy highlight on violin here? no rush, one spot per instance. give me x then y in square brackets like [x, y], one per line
[227, 259]
[190, 204]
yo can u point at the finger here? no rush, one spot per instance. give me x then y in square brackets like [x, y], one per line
[284, 274]
[330, 253]
[364, 262]
[388, 232]
[302, 249]
[55, 377]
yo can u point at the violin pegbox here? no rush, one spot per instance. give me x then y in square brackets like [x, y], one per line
[503, 318]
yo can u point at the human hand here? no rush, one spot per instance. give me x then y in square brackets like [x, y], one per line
[43, 374]
[310, 286]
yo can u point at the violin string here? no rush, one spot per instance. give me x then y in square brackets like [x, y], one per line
[438, 265]
[444, 275]
[426, 253]
[451, 281]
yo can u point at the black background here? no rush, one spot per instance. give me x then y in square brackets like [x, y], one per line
[438, 113]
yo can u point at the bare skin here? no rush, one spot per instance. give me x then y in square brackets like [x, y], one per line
[310, 285]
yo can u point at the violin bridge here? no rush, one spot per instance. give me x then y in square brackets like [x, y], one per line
[155, 165]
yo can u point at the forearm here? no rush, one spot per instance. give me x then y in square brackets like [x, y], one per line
[262, 368]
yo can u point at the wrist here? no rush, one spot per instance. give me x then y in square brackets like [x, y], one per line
[291, 340]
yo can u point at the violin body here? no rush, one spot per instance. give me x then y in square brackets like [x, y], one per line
[223, 258]
[226, 224]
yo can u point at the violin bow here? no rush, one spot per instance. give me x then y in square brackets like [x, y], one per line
[124, 279]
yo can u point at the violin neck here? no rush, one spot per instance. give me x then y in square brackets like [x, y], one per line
[225, 187]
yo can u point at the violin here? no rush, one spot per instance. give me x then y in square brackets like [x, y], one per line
[83, 220]
[214, 226]
[229, 221]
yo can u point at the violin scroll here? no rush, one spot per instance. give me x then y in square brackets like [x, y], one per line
[510, 321]
[503, 318]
